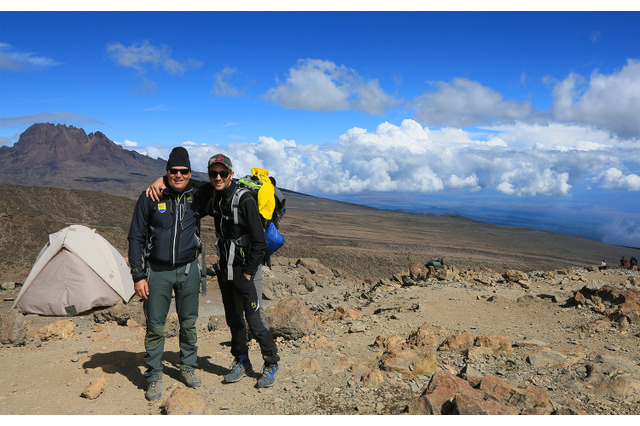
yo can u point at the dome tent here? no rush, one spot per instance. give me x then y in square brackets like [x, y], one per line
[76, 271]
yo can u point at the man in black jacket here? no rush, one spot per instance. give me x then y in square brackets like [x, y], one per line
[166, 234]
[241, 250]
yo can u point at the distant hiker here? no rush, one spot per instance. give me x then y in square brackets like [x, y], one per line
[166, 234]
[603, 265]
[633, 262]
[623, 262]
[241, 255]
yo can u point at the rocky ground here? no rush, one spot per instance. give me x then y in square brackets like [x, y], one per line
[472, 341]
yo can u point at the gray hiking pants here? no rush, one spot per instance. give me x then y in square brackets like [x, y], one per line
[163, 281]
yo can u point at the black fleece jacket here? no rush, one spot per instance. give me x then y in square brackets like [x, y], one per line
[250, 223]
[168, 229]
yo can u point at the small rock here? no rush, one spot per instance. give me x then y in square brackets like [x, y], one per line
[95, 388]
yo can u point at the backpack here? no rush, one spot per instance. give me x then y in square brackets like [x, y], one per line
[271, 206]
[270, 200]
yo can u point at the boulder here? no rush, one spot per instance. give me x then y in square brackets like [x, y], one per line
[13, 329]
[390, 343]
[418, 271]
[321, 342]
[344, 312]
[513, 275]
[63, 329]
[448, 394]
[423, 336]
[121, 314]
[457, 342]
[291, 319]
[216, 322]
[496, 342]
[545, 357]
[184, 401]
[373, 379]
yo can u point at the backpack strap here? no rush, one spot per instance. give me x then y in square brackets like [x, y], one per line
[240, 241]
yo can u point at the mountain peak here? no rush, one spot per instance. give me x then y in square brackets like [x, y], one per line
[66, 156]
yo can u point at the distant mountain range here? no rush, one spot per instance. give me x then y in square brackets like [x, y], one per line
[67, 157]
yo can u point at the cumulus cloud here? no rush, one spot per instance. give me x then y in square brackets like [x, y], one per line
[610, 102]
[142, 56]
[464, 103]
[22, 61]
[318, 85]
[613, 178]
[412, 158]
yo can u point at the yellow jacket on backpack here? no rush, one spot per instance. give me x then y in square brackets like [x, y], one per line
[266, 197]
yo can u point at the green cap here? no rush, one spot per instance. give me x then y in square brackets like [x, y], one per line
[221, 159]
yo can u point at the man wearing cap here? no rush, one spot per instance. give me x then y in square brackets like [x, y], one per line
[166, 235]
[241, 251]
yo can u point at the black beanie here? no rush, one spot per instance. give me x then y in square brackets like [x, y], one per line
[179, 157]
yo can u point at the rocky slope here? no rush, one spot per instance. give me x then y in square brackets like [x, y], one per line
[421, 341]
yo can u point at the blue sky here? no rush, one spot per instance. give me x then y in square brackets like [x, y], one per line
[532, 118]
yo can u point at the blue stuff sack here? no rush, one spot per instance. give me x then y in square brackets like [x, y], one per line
[275, 240]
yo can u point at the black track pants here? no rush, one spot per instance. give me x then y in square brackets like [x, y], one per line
[242, 299]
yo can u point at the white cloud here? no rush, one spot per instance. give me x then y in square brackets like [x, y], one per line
[464, 103]
[223, 85]
[318, 85]
[412, 158]
[22, 61]
[144, 55]
[127, 143]
[613, 178]
[555, 136]
[139, 56]
[610, 102]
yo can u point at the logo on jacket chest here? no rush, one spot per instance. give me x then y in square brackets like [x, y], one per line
[162, 207]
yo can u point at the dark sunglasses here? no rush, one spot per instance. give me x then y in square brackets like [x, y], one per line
[223, 174]
[176, 171]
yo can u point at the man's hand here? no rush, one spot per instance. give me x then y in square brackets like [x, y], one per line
[142, 289]
[247, 276]
[155, 190]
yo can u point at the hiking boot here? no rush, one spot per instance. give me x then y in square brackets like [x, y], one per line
[190, 379]
[240, 367]
[154, 390]
[268, 377]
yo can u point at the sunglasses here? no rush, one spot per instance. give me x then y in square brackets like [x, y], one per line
[184, 172]
[223, 174]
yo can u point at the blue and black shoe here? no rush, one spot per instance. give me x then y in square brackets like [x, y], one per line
[241, 366]
[268, 378]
